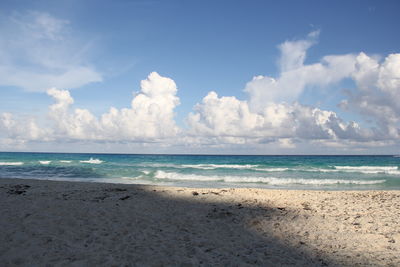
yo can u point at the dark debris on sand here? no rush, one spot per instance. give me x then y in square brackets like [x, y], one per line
[17, 189]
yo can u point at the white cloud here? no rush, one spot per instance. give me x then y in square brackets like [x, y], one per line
[20, 129]
[293, 53]
[78, 124]
[150, 117]
[45, 26]
[228, 117]
[38, 51]
[377, 95]
[225, 116]
[270, 116]
[389, 76]
[151, 114]
[295, 76]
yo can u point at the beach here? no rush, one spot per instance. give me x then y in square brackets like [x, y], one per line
[60, 223]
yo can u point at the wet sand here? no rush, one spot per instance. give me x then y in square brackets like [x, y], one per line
[93, 224]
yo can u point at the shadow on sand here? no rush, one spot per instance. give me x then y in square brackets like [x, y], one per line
[87, 224]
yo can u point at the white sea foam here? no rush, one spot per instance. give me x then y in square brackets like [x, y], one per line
[383, 168]
[186, 177]
[65, 161]
[315, 170]
[272, 169]
[218, 166]
[131, 178]
[265, 180]
[161, 165]
[393, 170]
[323, 170]
[44, 162]
[201, 166]
[369, 169]
[92, 161]
[11, 163]
[146, 172]
[287, 181]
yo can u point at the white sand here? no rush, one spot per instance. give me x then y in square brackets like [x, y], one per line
[92, 224]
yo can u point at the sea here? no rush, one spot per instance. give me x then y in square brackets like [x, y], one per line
[215, 171]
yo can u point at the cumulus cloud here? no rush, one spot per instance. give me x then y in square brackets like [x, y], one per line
[270, 115]
[150, 117]
[295, 76]
[20, 129]
[151, 114]
[377, 95]
[38, 51]
[228, 117]
[76, 124]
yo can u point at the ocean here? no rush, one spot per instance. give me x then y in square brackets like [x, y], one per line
[280, 172]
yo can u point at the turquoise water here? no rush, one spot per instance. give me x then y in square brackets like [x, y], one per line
[284, 172]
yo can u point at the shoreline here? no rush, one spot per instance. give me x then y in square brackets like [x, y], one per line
[91, 223]
[261, 186]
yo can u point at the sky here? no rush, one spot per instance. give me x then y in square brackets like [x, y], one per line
[200, 77]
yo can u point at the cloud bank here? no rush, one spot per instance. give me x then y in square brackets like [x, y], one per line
[149, 118]
[270, 115]
[377, 96]
[229, 117]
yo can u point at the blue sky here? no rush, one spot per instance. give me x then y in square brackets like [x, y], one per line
[100, 51]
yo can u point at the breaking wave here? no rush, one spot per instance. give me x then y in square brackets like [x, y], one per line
[369, 169]
[272, 169]
[92, 161]
[393, 170]
[265, 180]
[185, 177]
[219, 166]
[11, 163]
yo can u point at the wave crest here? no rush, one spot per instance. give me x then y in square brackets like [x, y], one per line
[272, 169]
[219, 166]
[369, 169]
[92, 161]
[265, 180]
[11, 163]
[185, 177]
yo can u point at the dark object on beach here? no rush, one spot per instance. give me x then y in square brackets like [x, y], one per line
[18, 189]
[218, 213]
[194, 193]
[125, 197]
[306, 206]
[115, 189]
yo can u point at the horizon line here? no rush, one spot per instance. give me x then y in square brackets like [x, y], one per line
[189, 154]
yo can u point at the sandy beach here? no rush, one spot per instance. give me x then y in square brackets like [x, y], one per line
[52, 223]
